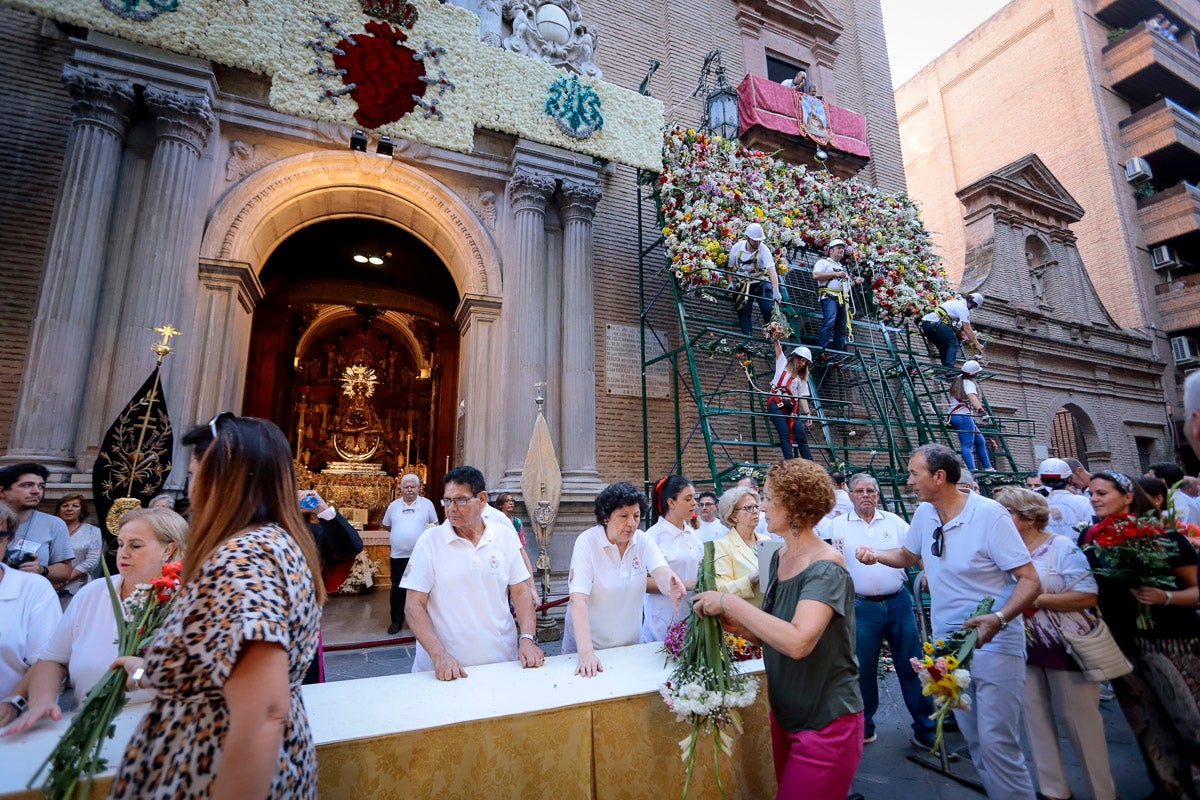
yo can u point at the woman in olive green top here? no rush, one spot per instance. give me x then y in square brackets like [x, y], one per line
[806, 628]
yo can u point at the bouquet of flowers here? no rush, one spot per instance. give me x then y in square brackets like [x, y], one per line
[1134, 550]
[78, 752]
[361, 577]
[740, 649]
[705, 689]
[943, 671]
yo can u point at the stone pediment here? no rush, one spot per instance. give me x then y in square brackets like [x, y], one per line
[808, 17]
[1021, 252]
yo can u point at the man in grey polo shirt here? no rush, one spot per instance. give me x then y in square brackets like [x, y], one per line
[971, 550]
[41, 539]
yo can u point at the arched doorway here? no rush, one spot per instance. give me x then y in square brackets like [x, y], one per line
[1070, 431]
[354, 349]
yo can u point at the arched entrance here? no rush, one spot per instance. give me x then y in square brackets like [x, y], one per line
[1072, 434]
[355, 351]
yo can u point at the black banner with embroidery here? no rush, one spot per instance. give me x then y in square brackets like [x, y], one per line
[135, 455]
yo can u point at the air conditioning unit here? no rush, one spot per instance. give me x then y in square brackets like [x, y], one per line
[1164, 257]
[1137, 170]
[1184, 350]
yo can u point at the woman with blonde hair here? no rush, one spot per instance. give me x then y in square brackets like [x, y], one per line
[227, 664]
[806, 629]
[85, 642]
[735, 558]
[1058, 696]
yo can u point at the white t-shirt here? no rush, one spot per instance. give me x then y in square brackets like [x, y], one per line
[711, 531]
[86, 639]
[955, 307]
[962, 406]
[980, 548]
[884, 532]
[1066, 511]
[615, 585]
[828, 265]
[742, 262]
[29, 611]
[468, 592]
[683, 551]
[407, 523]
[783, 384]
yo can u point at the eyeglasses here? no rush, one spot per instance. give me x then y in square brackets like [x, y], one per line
[706, 503]
[458, 502]
[212, 423]
[746, 508]
[938, 548]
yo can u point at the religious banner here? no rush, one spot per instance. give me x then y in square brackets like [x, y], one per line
[811, 117]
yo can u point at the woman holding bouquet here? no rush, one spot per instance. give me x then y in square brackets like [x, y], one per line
[84, 643]
[1059, 697]
[1165, 655]
[228, 720]
[806, 629]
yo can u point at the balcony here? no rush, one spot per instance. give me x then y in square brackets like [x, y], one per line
[770, 121]
[1128, 13]
[1170, 215]
[1144, 67]
[1167, 135]
[1178, 303]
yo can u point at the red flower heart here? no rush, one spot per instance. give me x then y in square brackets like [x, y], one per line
[385, 74]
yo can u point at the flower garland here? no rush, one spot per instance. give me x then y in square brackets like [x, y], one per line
[711, 189]
[495, 89]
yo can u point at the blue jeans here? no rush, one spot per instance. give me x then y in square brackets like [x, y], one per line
[833, 324]
[760, 292]
[781, 416]
[970, 440]
[944, 338]
[891, 620]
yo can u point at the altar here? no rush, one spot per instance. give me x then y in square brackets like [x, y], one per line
[502, 732]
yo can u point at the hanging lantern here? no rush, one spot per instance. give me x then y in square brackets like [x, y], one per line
[720, 99]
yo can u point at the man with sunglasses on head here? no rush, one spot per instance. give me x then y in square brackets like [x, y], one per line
[971, 549]
[40, 542]
[459, 579]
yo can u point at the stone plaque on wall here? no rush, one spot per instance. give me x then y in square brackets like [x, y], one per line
[623, 364]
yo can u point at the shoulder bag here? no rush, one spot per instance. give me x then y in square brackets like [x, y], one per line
[1096, 651]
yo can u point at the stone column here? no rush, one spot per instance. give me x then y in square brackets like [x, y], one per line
[578, 412]
[524, 293]
[163, 268]
[52, 388]
[229, 291]
[481, 430]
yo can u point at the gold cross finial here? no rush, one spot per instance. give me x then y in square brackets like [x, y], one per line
[162, 348]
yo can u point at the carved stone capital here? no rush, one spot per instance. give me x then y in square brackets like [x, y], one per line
[528, 191]
[187, 118]
[99, 101]
[578, 200]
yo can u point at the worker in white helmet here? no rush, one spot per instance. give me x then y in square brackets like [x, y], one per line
[751, 267]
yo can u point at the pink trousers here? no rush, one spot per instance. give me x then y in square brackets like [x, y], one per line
[818, 765]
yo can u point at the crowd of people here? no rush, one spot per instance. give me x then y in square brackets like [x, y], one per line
[810, 566]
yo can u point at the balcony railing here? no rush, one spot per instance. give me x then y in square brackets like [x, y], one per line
[1170, 214]
[1178, 302]
[1145, 66]
[1167, 135]
[1128, 13]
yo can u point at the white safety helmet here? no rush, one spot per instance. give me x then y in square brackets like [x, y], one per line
[836, 242]
[803, 352]
[754, 231]
[975, 298]
[971, 367]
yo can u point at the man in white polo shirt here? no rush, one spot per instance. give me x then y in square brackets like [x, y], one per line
[883, 607]
[459, 578]
[971, 550]
[407, 517]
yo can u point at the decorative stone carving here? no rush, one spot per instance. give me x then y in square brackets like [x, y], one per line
[483, 203]
[1037, 276]
[528, 191]
[187, 118]
[244, 158]
[99, 101]
[579, 200]
[491, 22]
[552, 31]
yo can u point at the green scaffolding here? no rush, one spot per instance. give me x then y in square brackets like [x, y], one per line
[872, 405]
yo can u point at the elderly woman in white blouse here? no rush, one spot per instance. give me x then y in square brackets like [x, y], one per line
[735, 557]
[86, 541]
[84, 644]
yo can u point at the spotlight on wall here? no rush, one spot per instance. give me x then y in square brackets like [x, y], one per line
[376, 260]
[360, 258]
[358, 141]
[821, 155]
[385, 147]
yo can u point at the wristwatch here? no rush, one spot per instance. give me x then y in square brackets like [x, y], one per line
[1003, 621]
[17, 702]
[45, 571]
[530, 636]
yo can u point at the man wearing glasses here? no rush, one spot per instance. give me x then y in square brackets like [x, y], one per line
[883, 608]
[711, 528]
[40, 542]
[971, 550]
[459, 579]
